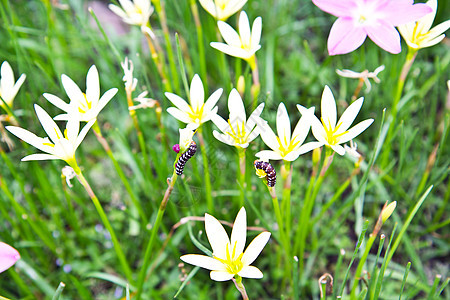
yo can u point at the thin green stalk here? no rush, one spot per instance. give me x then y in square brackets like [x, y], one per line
[283, 235]
[207, 177]
[286, 174]
[242, 182]
[201, 46]
[155, 228]
[361, 263]
[412, 53]
[256, 85]
[119, 171]
[240, 286]
[160, 10]
[118, 249]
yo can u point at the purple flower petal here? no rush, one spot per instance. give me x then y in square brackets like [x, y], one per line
[385, 35]
[338, 8]
[345, 37]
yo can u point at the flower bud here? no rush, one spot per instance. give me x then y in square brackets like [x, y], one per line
[387, 211]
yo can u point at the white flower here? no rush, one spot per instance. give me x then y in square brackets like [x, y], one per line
[237, 131]
[284, 146]
[228, 257]
[134, 13]
[419, 35]
[130, 81]
[197, 111]
[222, 9]
[9, 88]
[365, 75]
[186, 135]
[59, 146]
[85, 107]
[332, 133]
[244, 44]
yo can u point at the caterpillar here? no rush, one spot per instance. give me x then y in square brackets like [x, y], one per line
[271, 174]
[181, 162]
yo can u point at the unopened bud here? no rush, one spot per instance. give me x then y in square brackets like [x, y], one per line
[387, 211]
[241, 85]
[316, 156]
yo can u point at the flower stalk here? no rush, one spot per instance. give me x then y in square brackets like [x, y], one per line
[107, 148]
[256, 86]
[118, 249]
[207, 176]
[200, 45]
[242, 183]
[240, 286]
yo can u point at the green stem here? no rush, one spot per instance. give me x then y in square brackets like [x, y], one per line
[286, 174]
[412, 53]
[160, 10]
[208, 189]
[240, 286]
[201, 47]
[256, 85]
[121, 256]
[119, 171]
[242, 183]
[155, 228]
[361, 263]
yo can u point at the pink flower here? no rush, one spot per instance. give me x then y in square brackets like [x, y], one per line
[358, 19]
[8, 256]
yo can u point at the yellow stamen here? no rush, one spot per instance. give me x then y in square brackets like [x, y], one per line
[233, 265]
[332, 138]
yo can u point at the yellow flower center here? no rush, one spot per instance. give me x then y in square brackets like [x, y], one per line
[221, 4]
[233, 265]
[238, 135]
[290, 147]
[196, 116]
[85, 105]
[332, 138]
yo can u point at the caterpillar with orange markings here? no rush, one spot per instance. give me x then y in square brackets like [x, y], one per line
[271, 174]
[182, 160]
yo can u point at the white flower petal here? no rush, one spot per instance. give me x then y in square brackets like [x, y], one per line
[62, 117]
[93, 86]
[217, 236]
[239, 232]
[220, 275]
[83, 133]
[283, 125]
[349, 115]
[179, 102]
[72, 90]
[355, 131]
[203, 261]
[224, 138]
[305, 148]
[197, 93]
[180, 115]
[220, 123]
[230, 36]
[302, 129]
[318, 130]
[211, 102]
[251, 272]
[50, 127]
[338, 148]
[244, 29]
[56, 101]
[267, 155]
[256, 32]
[269, 138]
[236, 108]
[107, 96]
[28, 137]
[255, 248]
[40, 156]
[328, 108]
[254, 118]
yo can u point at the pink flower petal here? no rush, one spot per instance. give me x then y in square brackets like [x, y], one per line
[384, 35]
[338, 8]
[345, 37]
[402, 11]
[8, 256]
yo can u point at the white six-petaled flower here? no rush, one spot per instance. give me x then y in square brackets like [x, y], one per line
[419, 34]
[135, 12]
[284, 146]
[85, 107]
[222, 9]
[331, 132]
[237, 131]
[229, 258]
[59, 146]
[197, 111]
[9, 88]
[243, 44]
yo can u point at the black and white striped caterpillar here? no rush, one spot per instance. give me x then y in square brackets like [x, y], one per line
[271, 174]
[181, 162]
